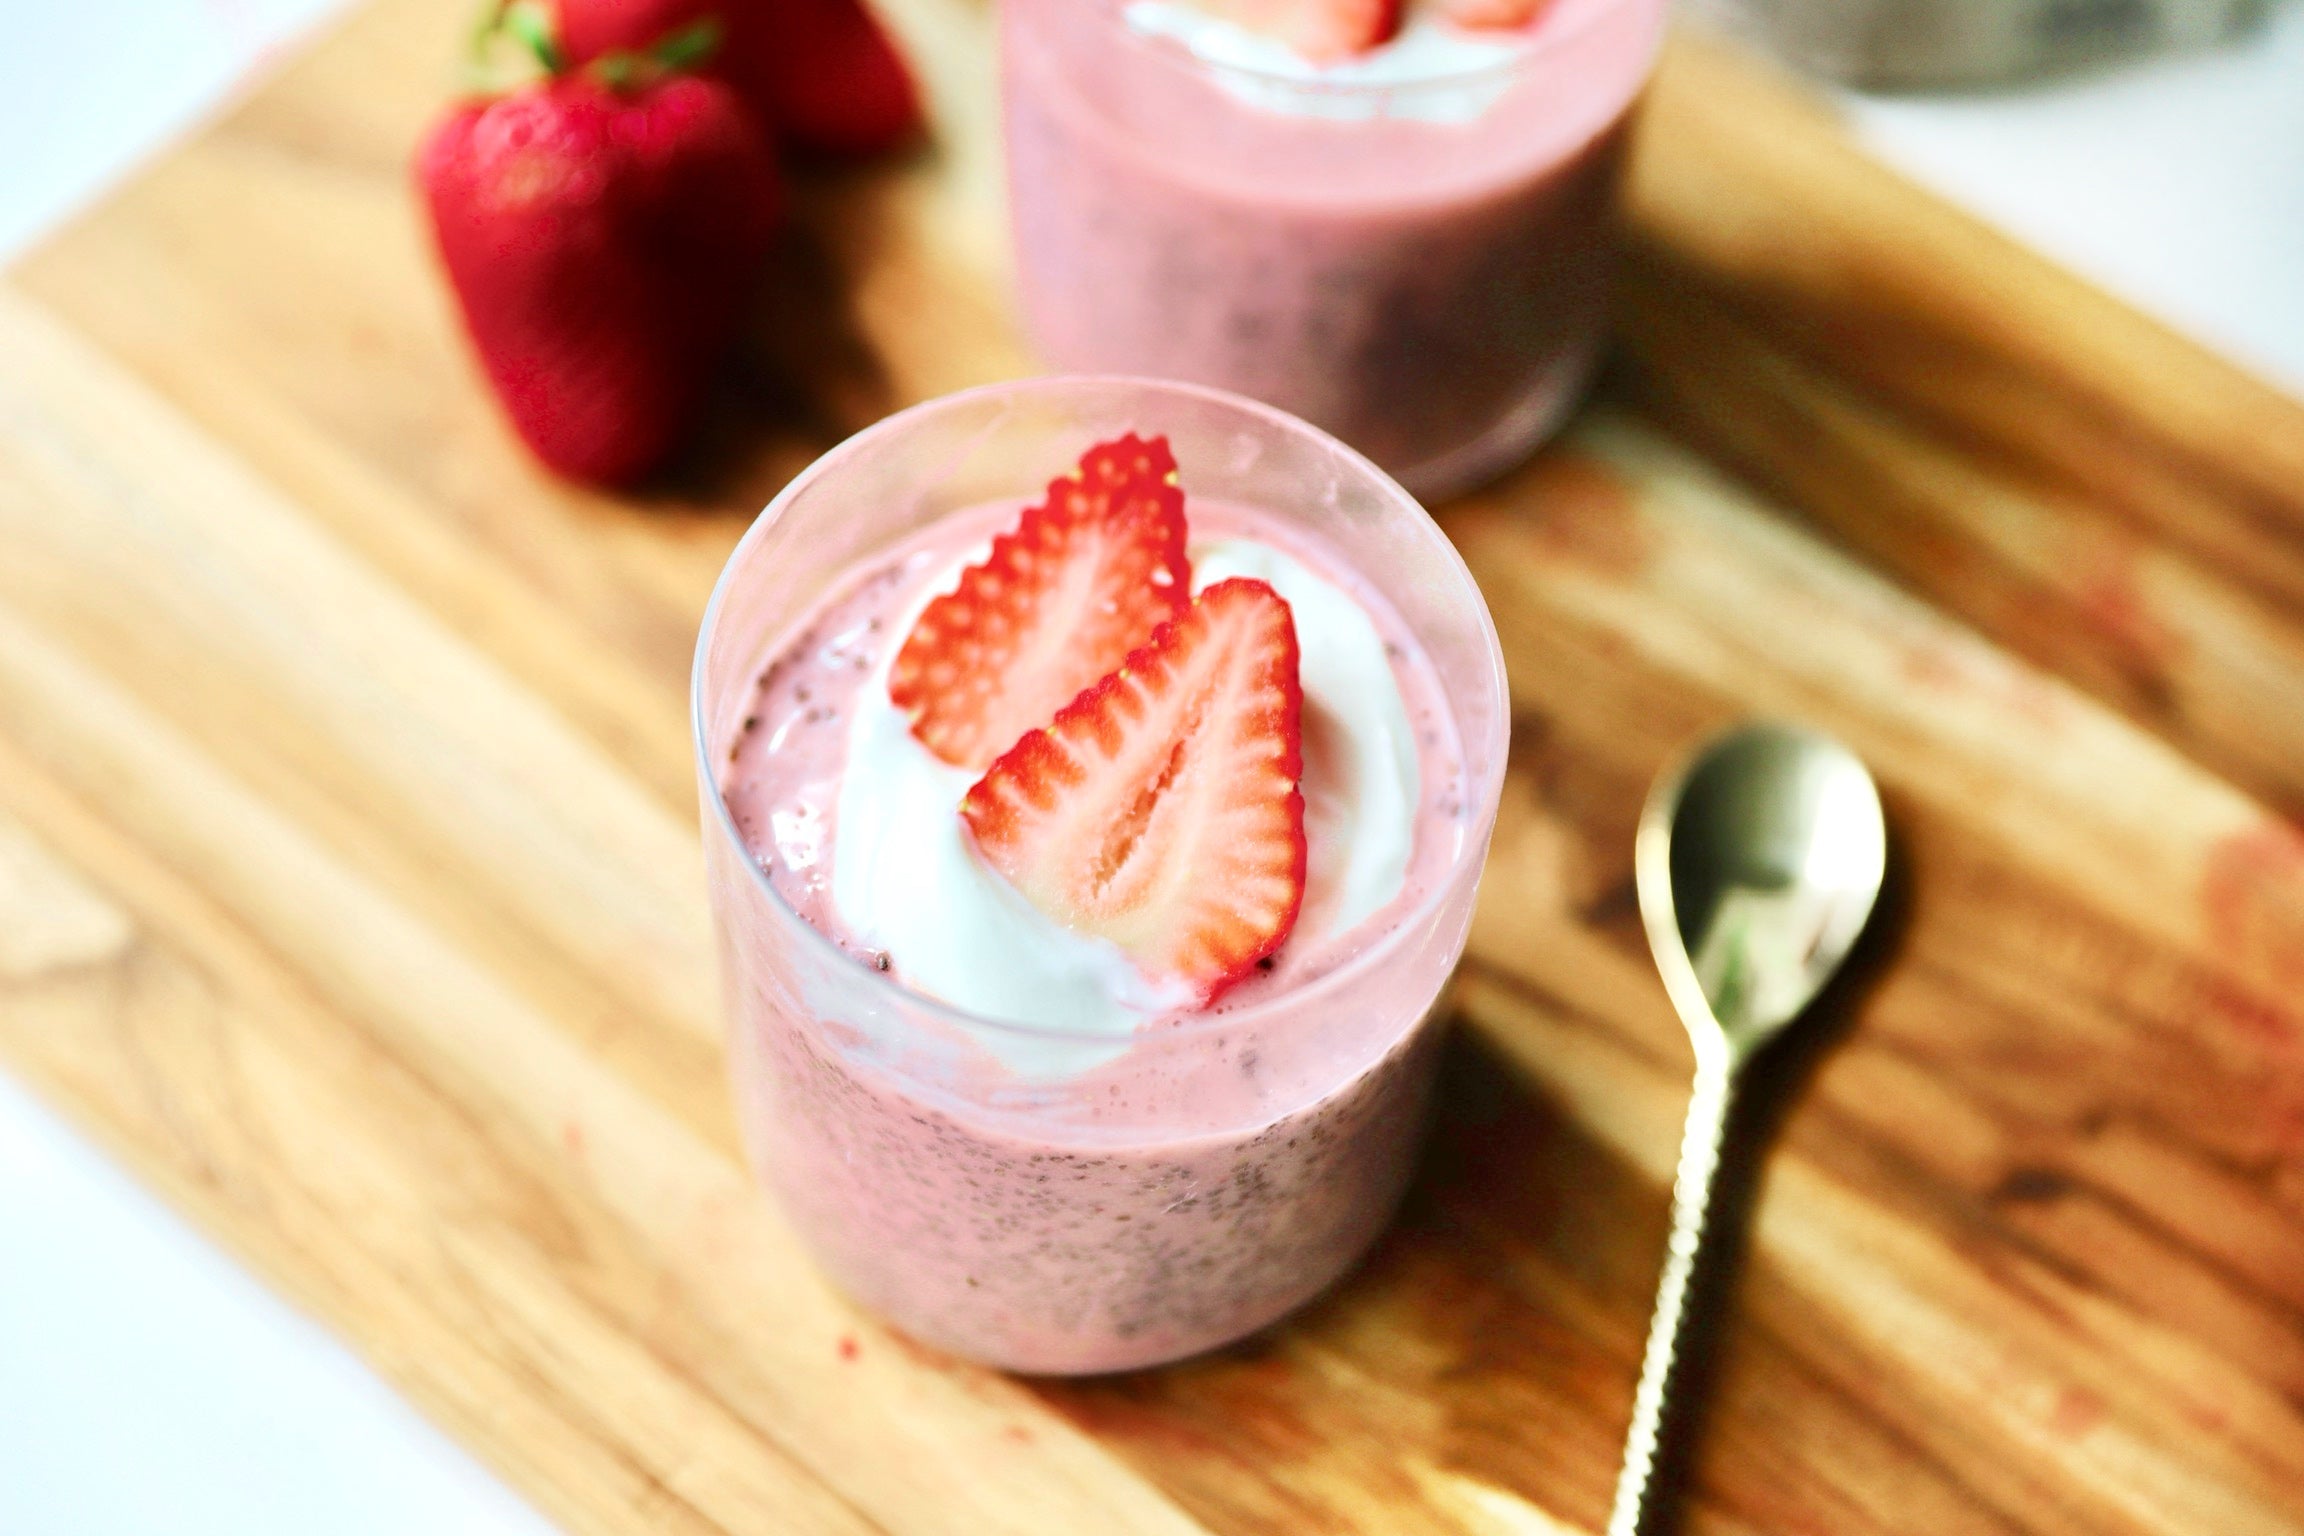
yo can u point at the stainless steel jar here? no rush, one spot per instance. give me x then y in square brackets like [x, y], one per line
[1953, 42]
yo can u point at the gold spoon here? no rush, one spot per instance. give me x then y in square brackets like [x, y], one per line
[1758, 862]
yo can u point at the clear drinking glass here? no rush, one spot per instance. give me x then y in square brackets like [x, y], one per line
[1036, 1199]
[1419, 268]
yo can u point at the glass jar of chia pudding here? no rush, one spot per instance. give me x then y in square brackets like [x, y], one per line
[1409, 248]
[1054, 1196]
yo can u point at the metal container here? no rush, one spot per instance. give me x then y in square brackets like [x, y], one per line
[1965, 42]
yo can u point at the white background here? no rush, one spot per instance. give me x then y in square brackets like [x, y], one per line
[148, 1385]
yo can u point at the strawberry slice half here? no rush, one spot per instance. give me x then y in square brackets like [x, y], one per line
[1161, 809]
[1322, 31]
[1491, 15]
[1059, 601]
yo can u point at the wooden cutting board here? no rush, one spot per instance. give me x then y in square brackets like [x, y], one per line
[349, 887]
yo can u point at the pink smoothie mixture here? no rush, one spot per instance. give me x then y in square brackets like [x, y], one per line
[1421, 268]
[1060, 1205]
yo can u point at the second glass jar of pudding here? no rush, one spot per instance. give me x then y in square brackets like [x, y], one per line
[1410, 248]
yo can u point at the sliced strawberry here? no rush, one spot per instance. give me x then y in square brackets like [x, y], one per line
[1063, 597]
[1320, 30]
[1161, 809]
[1491, 15]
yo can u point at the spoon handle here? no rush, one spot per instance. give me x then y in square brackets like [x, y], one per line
[1691, 1202]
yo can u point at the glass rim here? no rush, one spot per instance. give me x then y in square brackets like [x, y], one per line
[1542, 43]
[1484, 794]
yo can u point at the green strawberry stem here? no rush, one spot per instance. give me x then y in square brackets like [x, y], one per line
[673, 53]
[512, 43]
[526, 26]
[689, 47]
[531, 26]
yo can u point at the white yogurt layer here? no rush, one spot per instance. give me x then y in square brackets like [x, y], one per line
[1360, 766]
[906, 877]
[1267, 73]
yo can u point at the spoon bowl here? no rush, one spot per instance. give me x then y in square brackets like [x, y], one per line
[1758, 863]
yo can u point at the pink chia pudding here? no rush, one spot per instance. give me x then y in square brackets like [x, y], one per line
[1087, 1044]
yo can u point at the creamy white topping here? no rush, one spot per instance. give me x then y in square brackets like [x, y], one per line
[1360, 769]
[907, 880]
[1421, 59]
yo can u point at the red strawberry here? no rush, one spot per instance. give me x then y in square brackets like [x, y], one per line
[1058, 602]
[836, 81]
[602, 242]
[1491, 15]
[821, 73]
[1320, 30]
[589, 29]
[1161, 809]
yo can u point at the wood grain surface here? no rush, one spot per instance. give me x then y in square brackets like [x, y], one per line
[349, 887]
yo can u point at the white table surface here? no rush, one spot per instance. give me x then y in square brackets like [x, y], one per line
[149, 1385]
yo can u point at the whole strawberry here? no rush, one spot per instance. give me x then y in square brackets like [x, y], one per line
[821, 73]
[603, 229]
